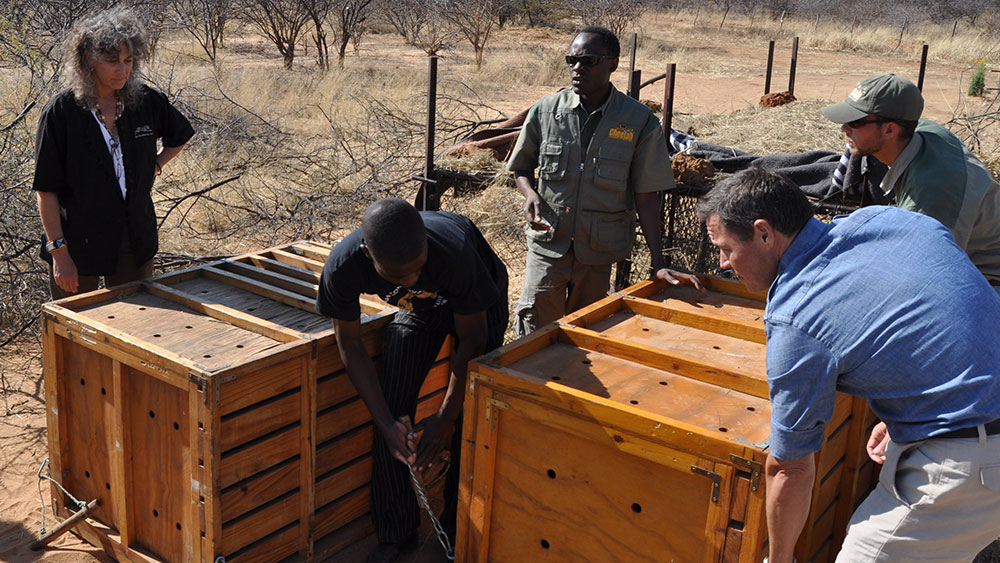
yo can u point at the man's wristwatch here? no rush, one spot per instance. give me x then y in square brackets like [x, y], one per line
[55, 245]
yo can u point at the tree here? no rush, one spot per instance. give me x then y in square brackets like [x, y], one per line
[280, 21]
[204, 20]
[352, 15]
[407, 17]
[318, 11]
[474, 19]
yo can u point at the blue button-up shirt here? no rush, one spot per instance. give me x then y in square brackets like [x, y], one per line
[881, 304]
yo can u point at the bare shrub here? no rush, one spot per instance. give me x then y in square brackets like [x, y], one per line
[280, 21]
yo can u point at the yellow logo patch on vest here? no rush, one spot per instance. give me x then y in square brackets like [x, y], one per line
[621, 133]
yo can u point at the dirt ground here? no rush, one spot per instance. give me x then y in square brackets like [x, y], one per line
[820, 75]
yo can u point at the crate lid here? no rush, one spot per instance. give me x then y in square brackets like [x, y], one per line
[218, 315]
[672, 352]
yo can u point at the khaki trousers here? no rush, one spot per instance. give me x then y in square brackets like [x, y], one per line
[554, 287]
[936, 500]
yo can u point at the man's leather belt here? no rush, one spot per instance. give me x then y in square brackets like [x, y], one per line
[992, 428]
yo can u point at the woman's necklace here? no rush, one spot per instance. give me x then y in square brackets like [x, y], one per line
[119, 108]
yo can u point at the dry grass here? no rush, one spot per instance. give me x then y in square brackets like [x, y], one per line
[795, 127]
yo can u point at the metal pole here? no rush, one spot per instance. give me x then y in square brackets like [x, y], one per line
[791, 72]
[770, 66]
[923, 68]
[631, 68]
[430, 203]
[633, 84]
[668, 100]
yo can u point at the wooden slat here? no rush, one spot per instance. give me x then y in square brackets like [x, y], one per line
[273, 279]
[211, 470]
[337, 389]
[695, 368]
[311, 252]
[257, 421]
[226, 314]
[343, 449]
[289, 270]
[257, 288]
[244, 531]
[272, 548]
[259, 456]
[297, 261]
[353, 414]
[706, 320]
[336, 421]
[346, 535]
[121, 471]
[521, 348]
[307, 475]
[342, 512]
[594, 312]
[260, 489]
[242, 392]
[52, 358]
[344, 480]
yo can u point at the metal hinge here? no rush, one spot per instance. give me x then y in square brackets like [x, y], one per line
[754, 467]
[492, 403]
[715, 477]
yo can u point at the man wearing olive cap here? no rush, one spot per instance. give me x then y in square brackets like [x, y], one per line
[930, 170]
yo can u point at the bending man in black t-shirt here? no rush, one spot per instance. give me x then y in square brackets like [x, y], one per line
[445, 279]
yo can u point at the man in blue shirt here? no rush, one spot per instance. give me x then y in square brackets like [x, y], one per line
[881, 304]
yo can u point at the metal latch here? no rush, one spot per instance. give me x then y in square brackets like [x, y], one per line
[754, 467]
[715, 477]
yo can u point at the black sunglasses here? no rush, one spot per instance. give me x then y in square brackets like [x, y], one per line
[585, 60]
[865, 121]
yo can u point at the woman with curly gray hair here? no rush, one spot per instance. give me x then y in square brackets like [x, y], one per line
[96, 157]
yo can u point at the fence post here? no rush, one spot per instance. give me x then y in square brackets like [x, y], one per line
[770, 66]
[668, 100]
[923, 68]
[791, 72]
[427, 197]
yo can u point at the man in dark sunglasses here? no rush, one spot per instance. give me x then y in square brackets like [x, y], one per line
[602, 159]
[930, 170]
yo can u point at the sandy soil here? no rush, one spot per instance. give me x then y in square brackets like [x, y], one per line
[820, 75]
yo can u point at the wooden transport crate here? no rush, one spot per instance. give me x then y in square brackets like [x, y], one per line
[210, 413]
[636, 430]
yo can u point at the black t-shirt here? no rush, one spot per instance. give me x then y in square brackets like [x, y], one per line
[461, 272]
[72, 160]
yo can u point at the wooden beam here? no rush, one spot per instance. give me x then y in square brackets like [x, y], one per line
[226, 314]
[307, 289]
[261, 289]
[694, 368]
[702, 319]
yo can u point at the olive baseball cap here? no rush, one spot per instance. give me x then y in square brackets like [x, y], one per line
[887, 95]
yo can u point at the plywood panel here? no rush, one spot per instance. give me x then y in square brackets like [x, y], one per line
[86, 406]
[658, 391]
[157, 417]
[548, 483]
[202, 340]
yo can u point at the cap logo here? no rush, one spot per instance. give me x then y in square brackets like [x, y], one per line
[858, 93]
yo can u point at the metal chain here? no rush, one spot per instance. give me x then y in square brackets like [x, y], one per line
[422, 496]
[48, 476]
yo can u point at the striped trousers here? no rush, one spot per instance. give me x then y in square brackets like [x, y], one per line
[412, 341]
